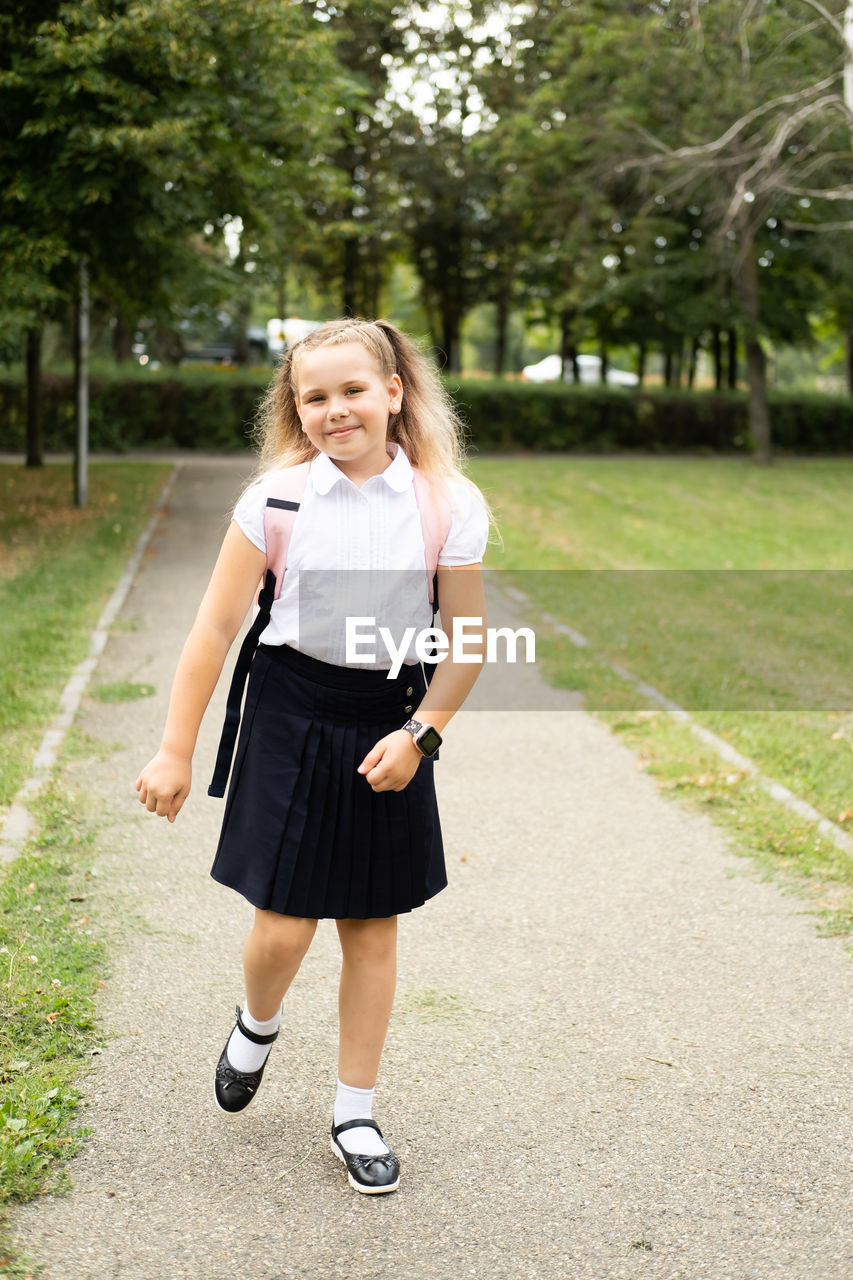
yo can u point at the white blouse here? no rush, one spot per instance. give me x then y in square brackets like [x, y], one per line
[359, 553]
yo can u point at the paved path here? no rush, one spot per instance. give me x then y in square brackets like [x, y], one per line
[615, 1052]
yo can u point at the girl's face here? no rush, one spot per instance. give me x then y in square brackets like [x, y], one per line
[344, 402]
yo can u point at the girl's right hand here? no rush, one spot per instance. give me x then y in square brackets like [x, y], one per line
[164, 784]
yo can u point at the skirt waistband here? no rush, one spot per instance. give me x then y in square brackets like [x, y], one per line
[355, 679]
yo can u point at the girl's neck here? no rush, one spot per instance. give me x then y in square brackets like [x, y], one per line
[360, 473]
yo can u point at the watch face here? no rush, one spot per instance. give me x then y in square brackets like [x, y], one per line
[429, 741]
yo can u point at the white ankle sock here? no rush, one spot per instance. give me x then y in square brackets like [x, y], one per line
[357, 1104]
[244, 1055]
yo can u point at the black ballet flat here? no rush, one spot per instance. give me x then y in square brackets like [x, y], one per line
[371, 1175]
[234, 1090]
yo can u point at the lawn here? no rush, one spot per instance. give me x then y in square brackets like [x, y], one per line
[58, 567]
[726, 586]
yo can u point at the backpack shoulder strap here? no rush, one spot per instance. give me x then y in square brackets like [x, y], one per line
[436, 516]
[283, 503]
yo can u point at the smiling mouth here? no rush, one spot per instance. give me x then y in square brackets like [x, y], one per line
[343, 431]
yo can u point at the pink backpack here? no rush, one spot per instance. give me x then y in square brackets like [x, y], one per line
[279, 518]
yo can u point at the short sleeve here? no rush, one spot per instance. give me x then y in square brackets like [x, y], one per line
[249, 513]
[469, 527]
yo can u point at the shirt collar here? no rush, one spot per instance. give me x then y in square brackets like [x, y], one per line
[398, 476]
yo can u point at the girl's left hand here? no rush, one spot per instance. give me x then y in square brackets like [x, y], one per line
[392, 763]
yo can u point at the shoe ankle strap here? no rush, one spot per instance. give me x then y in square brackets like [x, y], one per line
[355, 1124]
[253, 1035]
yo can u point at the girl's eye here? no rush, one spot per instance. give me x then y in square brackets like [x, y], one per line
[353, 391]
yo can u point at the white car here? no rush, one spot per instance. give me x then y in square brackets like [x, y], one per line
[548, 370]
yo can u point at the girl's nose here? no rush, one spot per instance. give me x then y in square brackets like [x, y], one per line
[338, 409]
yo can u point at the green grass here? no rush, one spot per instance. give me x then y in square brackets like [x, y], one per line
[670, 513]
[730, 589]
[51, 964]
[58, 566]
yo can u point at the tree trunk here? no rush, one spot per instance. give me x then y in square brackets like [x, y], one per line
[372, 293]
[667, 367]
[35, 425]
[642, 353]
[695, 348]
[241, 332]
[676, 367]
[605, 363]
[756, 361]
[242, 309]
[848, 337]
[717, 349]
[170, 346]
[122, 340]
[759, 414]
[501, 325]
[350, 277]
[568, 350]
[731, 345]
[450, 339]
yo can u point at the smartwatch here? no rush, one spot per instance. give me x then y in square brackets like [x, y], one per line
[427, 739]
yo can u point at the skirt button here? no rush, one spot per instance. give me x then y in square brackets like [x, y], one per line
[408, 710]
[409, 692]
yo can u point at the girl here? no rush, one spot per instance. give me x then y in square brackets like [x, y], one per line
[331, 808]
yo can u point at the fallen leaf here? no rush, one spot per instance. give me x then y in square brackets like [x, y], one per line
[51, 1017]
[846, 815]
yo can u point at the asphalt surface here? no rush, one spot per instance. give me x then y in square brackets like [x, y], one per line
[616, 1051]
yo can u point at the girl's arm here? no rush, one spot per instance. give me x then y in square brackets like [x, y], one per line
[393, 761]
[164, 783]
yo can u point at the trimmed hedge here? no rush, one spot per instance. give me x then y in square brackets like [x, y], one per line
[187, 412]
[214, 411]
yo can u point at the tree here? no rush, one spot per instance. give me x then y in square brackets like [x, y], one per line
[126, 128]
[774, 152]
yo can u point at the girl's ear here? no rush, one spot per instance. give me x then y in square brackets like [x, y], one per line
[395, 393]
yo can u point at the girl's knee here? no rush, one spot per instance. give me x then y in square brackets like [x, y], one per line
[279, 942]
[369, 941]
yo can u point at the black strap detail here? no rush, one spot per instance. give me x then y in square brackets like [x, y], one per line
[284, 504]
[357, 1124]
[254, 1036]
[238, 684]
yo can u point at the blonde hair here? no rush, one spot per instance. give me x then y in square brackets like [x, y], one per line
[427, 428]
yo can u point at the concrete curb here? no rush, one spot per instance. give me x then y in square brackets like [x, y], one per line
[830, 830]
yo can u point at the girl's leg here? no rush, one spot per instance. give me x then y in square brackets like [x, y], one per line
[368, 979]
[366, 996]
[272, 954]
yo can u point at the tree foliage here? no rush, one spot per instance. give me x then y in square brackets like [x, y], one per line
[657, 175]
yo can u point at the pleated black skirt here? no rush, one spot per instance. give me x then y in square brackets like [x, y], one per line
[303, 833]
